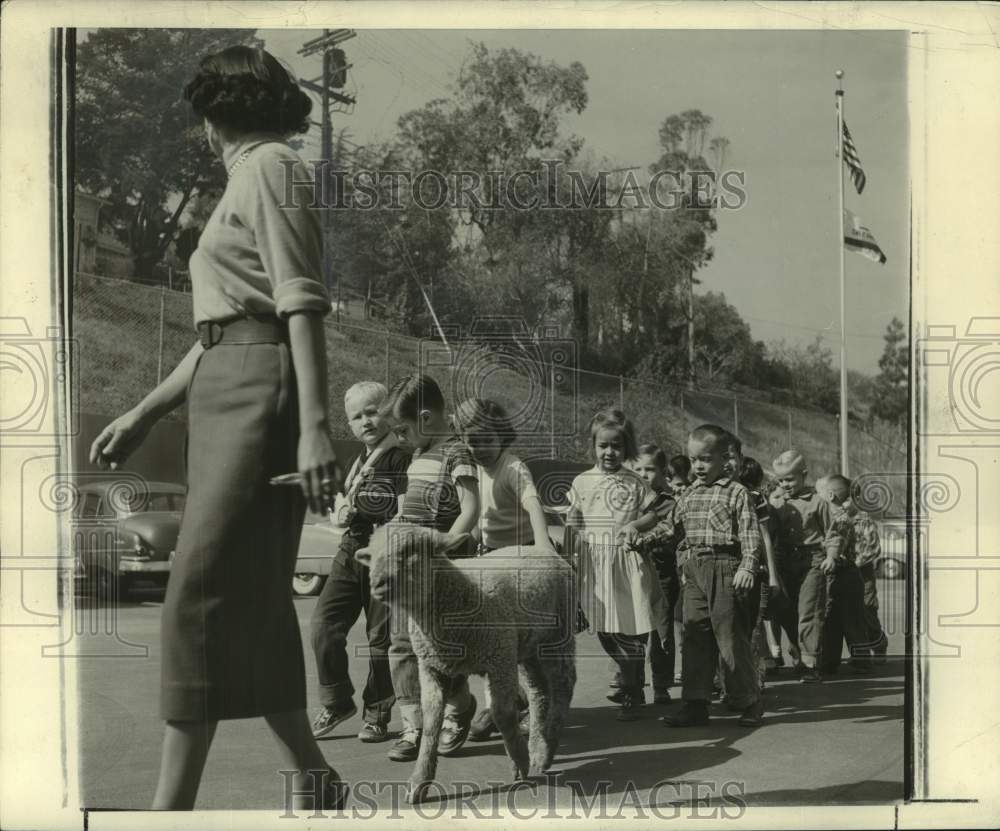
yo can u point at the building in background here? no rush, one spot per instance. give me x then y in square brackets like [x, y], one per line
[97, 252]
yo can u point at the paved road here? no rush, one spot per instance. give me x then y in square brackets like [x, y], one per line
[838, 742]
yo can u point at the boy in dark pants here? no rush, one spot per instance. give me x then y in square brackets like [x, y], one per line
[810, 544]
[719, 554]
[442, 492]
[845, 609]
[372, 487]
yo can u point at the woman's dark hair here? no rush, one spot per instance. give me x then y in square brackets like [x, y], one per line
[245, 90]
[658, 454]
[679, 467]
[751, 473]
[480, 415]
[412, 394]
[615, 420]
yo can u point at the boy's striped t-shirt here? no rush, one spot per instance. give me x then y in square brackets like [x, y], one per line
[432, 478]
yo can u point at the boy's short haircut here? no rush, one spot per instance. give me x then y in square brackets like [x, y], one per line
[372, 389]
[412, 394]
[613, 418]
[719, 436]
[751, 473]
[837, 480]
[658, 454]
[481, 415]
[679, 466]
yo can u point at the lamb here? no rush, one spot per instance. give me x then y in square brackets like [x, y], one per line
[481, 616]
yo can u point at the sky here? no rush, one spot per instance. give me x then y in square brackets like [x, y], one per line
[770, 93]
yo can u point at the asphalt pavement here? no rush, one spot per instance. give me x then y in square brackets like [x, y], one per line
[840, 742]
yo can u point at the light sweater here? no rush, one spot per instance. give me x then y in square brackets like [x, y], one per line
[261, 250]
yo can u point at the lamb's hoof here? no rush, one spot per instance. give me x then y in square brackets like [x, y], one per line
[416, 792]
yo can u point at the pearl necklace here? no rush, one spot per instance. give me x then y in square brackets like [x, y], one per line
[242, 158]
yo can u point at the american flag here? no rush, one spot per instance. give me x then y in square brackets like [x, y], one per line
[852, 161]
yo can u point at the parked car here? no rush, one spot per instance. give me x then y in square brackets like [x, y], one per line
[120, 543]
[320, 541]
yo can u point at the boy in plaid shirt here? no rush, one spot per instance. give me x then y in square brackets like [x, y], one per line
[719, 558]
[811, 544]
[848, 615]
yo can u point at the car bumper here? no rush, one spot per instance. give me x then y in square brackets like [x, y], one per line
[144, 566]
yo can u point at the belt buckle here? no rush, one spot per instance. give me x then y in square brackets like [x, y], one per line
[209, 338]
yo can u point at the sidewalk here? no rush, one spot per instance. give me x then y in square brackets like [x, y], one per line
[840, 742]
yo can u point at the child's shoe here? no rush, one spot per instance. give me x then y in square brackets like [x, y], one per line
[620, 696]
[810, 676]
[373, 732]
[753, 715]
[630, 708]
[691, 714]
[483, 728]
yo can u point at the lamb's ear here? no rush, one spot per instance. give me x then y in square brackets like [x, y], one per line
[452, 544]
[363, 556]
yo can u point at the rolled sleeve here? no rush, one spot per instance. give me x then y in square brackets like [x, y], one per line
[289, 235]
[749, 533]
[301, 294]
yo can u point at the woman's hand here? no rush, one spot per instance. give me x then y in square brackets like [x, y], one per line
[120, 439]
[321, 475]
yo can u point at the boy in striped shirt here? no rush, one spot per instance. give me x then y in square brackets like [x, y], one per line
[442, 492]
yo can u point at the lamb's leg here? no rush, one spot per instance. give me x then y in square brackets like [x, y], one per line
[540, 705]
[562, 677]
[432, 688]
[503, 707]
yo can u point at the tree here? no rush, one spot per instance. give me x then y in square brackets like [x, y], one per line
[504, 117]
[683, 139]
[138, 143]
[891, 398]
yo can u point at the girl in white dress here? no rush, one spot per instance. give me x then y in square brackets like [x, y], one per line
[610, 505]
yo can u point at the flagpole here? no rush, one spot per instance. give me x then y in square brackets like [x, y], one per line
[843, 281]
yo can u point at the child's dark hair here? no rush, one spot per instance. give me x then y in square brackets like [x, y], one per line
[246, 90]
[412, 394]
[719, 436]
[679, 467]
[658, 454]
[751, 473]
[480, 415]
[615, 419]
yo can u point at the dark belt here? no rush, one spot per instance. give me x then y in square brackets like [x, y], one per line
[807, 549]
[708, 550]
[242, 330]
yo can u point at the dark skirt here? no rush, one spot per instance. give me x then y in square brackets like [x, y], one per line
[231, 646]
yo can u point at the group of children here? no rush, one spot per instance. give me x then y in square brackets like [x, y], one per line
[689, 541]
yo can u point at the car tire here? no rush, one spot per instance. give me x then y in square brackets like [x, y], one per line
[307, 584]
[890, 569]
[105, 589]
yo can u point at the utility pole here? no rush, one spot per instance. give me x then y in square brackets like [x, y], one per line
[690, 322]
[333, 77]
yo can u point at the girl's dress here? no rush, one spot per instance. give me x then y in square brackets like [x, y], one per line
[617, 586]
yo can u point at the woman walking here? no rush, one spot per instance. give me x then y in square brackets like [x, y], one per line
[255, 386]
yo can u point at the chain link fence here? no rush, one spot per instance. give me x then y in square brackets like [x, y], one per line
[130, 336]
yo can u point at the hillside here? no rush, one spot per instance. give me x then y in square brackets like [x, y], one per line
[117, 325]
